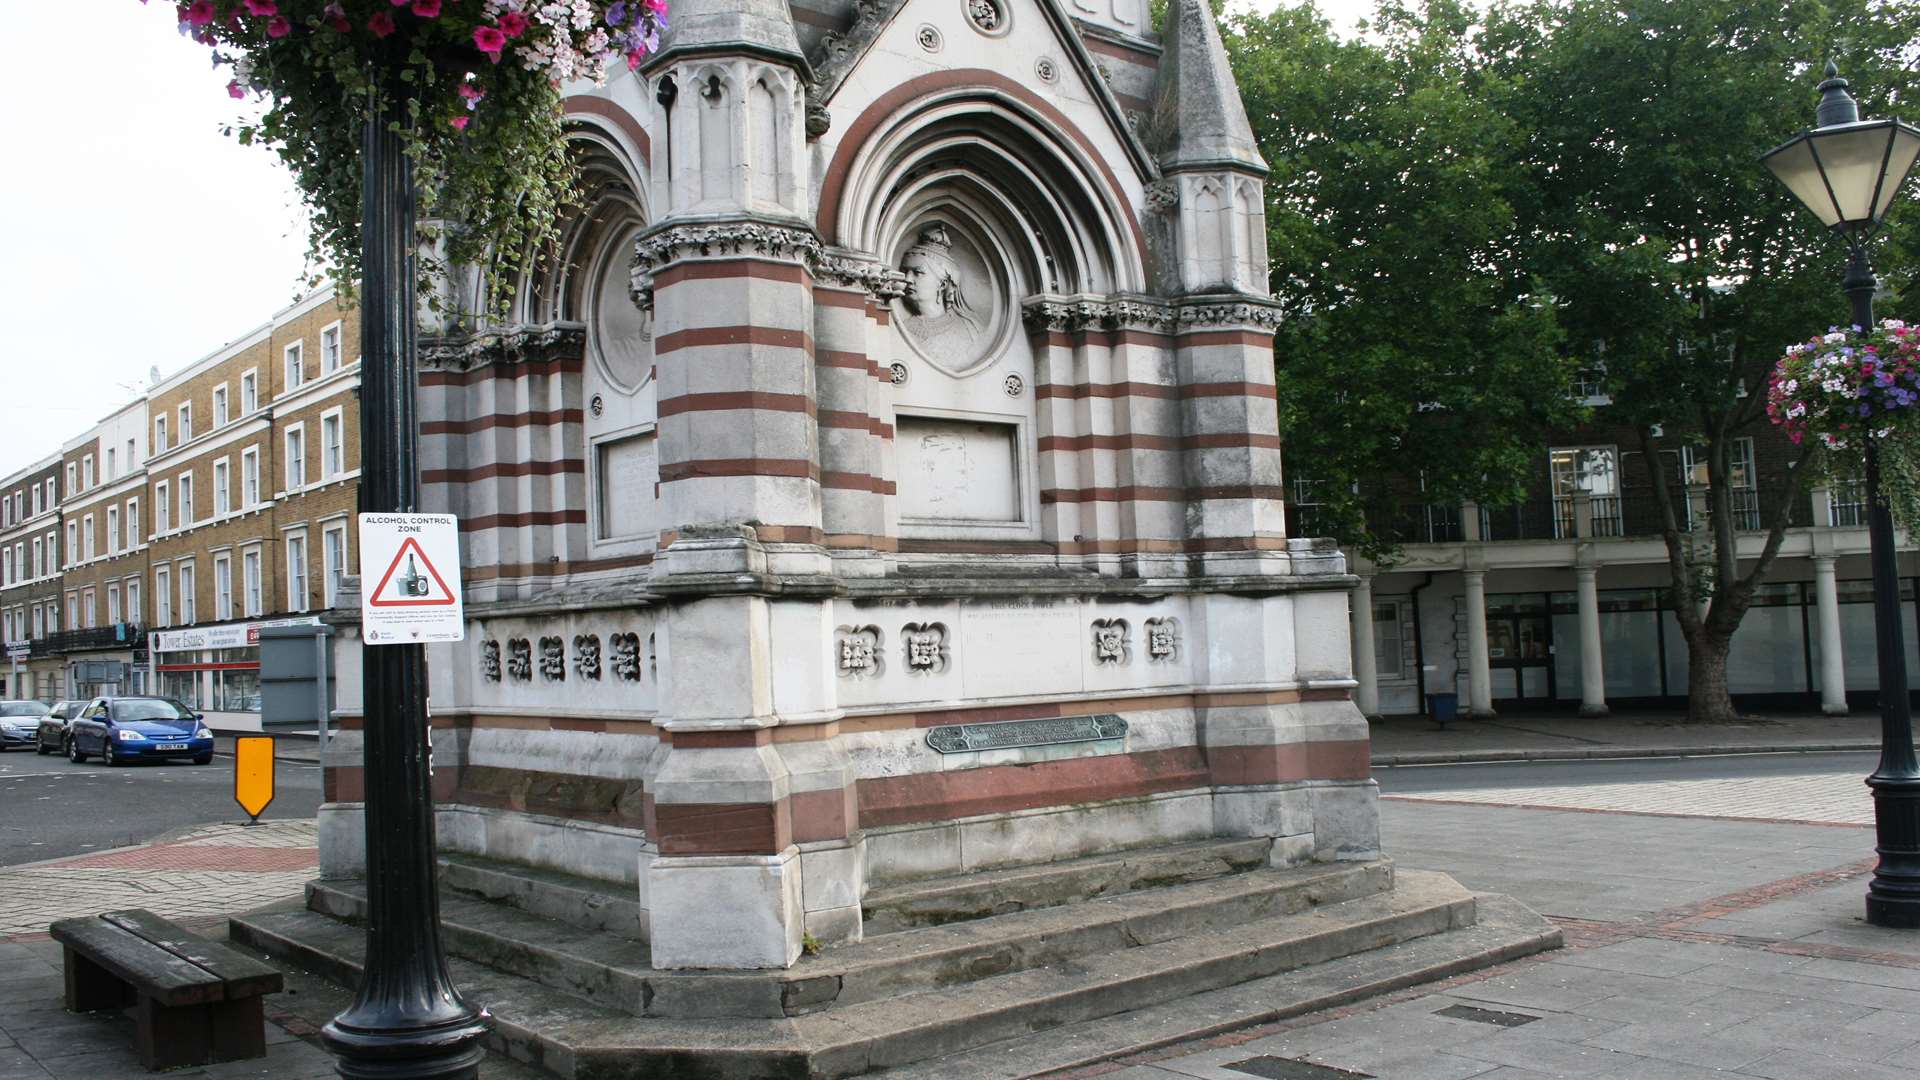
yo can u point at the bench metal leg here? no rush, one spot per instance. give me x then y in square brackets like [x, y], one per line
[91, 987]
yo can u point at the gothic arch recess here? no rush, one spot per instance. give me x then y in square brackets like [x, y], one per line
[985, 146]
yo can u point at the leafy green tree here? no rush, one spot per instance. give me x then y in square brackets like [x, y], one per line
[1676, 258]
[1417, 356]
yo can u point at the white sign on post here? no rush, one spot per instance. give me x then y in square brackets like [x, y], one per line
[410, 579]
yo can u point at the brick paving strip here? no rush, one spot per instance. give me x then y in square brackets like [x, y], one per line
[1818, 799]
[208, 873]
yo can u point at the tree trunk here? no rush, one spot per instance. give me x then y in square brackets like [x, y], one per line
[1708, 701]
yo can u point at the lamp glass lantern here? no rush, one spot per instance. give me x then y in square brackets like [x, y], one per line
[1846, 170]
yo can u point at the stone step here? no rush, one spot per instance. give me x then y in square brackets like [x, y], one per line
[584, 902]
[1503, 930]
[616, 972]
[940, 901]
[576, 1039]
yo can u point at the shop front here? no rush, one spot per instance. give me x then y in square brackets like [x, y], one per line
[215, 670]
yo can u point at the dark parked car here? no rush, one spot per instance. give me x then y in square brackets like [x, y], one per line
[20, 722]
[125, 729]
[52, 737]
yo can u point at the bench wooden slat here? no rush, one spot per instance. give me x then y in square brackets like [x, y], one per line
[242, 975]
[152, 970]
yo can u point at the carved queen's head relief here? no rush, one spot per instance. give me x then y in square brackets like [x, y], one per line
[940, 316]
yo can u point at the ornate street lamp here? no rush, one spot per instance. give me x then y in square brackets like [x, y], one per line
[1848, 171]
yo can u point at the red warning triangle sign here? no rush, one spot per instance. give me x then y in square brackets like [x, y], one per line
[412, 590]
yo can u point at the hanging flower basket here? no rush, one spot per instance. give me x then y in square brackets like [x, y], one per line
[474, 89]
[1844, 388]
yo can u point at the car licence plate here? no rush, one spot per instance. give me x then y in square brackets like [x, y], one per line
[173, 746]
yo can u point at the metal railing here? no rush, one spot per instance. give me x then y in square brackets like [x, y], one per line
[110, 636]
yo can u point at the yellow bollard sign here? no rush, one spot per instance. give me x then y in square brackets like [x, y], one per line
[253, 774]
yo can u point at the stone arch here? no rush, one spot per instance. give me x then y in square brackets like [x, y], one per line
[980, 125]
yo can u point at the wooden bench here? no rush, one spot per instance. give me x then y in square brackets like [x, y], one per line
[195, 1002]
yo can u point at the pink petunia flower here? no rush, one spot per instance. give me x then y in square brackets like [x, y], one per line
[489, 40]
[279, 27]
[336, 17]
[513, 24]
[427, 9]
[459, 123]
[234, 90]
[261, 7]
[380, 25]
[200, 12]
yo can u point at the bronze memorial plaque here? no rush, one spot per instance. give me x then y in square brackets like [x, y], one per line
[1005, 734]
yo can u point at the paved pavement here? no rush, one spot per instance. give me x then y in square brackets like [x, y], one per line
[1700, 945]
[1415, 740]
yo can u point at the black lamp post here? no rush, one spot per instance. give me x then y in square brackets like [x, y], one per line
[407, 1019]
[1848, 171]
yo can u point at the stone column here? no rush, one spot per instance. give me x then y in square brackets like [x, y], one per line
[1833, 665]
[1366, 695]
[1822, 499]
[1593, 675]
[1479, 670]
[1470, 522]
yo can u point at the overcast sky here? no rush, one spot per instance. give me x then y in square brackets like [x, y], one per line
[133, 234]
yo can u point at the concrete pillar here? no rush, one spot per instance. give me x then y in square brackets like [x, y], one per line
[1479, 670]
[1365, 664]
[1822, 498]
[1470, 522]
[1582, 515]
[1833, 667]
[1593, 675]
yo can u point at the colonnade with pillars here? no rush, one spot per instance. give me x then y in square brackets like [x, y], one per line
[1478, 700]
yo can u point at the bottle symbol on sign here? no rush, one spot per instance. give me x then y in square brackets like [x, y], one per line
[413, 584]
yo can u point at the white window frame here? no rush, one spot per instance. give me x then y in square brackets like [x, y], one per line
[333, 459]
[113, 604]
[249, 391]
[134, 539]
[183, 488]
[73, 542]
[331, 572]
[163, 512]
[299, 590]
[89, 609]
[39, 557]
[133, 601]
[249, 478]
[222, 488]
[114, 544]
[186, 423]
[88, 478]
[296, 462]
[163, 596]
[294, 365]
[222, 409]
[113, 464]
[253, 580]
[87, 546]
[160, 434]
[73, 474]
[223, 587]
[73, 610]
[188, 610]
[333, 363]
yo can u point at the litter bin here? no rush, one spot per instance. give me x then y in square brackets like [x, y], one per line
[1444, 708]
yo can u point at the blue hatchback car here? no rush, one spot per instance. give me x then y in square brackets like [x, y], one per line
[125, 729]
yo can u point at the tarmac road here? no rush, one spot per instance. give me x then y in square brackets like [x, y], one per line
[50, 807]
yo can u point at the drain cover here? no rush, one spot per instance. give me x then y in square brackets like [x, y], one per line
[1486, 1016]
[1273, 1068]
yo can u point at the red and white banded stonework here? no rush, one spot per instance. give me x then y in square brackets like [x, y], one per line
[887, 380]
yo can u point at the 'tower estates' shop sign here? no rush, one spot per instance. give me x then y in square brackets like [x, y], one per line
[230, 636]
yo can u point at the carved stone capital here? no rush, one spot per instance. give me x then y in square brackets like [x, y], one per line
[515, 344]
[1069, 314]
[663, 246]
